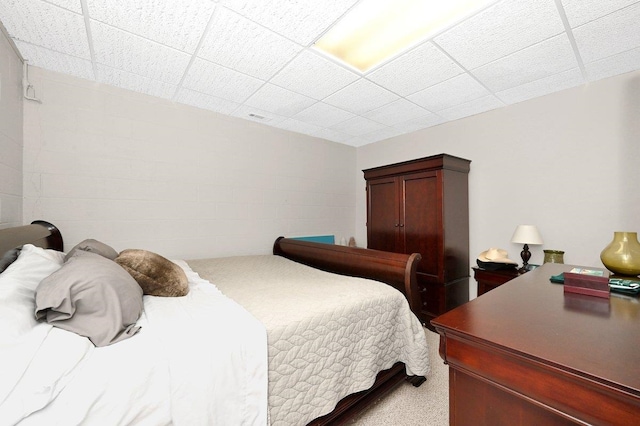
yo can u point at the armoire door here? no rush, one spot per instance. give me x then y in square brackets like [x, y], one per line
[383, 204]
[421, 220]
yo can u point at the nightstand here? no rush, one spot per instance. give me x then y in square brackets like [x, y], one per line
[488, 280]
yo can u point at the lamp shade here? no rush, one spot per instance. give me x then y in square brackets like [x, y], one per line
[526, 234]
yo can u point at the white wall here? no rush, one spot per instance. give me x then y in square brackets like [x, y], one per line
[141, 172]
[566, 162]
[10, 135]
[137, 171]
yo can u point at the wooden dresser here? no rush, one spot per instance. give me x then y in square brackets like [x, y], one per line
[525, 353]
[422, 206]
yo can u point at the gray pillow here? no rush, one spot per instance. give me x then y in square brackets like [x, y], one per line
[156, 275]
[93, 246]
[91, 296]
[8, 258]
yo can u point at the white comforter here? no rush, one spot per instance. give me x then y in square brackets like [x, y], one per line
[328, 335]
[198, 360]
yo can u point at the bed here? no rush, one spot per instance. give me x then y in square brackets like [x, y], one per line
[190, 364]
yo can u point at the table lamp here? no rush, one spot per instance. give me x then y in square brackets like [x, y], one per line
[526, 234]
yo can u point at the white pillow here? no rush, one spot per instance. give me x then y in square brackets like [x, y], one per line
[26, 343]
[33, 264]
[20, 333]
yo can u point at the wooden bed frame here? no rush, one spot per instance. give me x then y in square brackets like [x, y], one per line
[397, 270]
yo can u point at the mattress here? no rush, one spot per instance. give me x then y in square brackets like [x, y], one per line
[328, 335]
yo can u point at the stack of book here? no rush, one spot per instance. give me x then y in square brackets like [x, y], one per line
[592, 282]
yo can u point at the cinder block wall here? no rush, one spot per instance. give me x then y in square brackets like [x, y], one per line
[142, 172]
[10, 135]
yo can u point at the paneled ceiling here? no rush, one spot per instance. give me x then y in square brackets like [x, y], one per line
[254, 59]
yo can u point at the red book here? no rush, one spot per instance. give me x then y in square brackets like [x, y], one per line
[592, 282]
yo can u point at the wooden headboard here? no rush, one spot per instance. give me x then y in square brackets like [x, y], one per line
[39, 233]
[396, 269]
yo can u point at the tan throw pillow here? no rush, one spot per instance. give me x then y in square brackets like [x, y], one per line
[156, 275]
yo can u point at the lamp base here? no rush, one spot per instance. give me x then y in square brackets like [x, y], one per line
[525, 254]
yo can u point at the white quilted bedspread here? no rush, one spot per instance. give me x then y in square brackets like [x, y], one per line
[328, 335]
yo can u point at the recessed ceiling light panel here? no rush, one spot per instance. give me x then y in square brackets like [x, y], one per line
[376, 30]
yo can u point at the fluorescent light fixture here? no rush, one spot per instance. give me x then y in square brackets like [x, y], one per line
[376, 30]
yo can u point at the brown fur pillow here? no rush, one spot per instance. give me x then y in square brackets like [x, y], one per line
[156, 275]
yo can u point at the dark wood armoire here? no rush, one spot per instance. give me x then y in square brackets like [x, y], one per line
[422, 206]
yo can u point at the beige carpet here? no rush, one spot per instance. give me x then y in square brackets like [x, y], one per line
[427, 405]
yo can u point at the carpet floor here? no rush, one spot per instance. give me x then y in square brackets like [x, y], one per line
[427, 405]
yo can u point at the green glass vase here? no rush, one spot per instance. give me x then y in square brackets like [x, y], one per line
[622, 255]
[553, 256]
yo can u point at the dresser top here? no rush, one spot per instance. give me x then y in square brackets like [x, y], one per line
[594, 337]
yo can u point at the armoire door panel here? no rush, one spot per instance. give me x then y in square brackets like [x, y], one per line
[383, 217]
[421, 218]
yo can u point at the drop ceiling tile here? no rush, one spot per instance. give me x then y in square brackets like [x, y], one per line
[501, 29]
[357, 126]
[279, 101]
[258, 115]
[332, 135]
[361, 96]
[609, 35]
[396, 112]
[371, 137]
[415, 70]
[580, 12]
[238, 43]
[420, 123]
[447, 94]
[613, 65]
[176, 23]
[216, 80]
[72, 5]
[541, 87]
[43, 24]
[473, 107]
[541, 60]
[201, 100]
[301, 20]
[55, 61]
[137, 83]
[249, 42]
[323, 115]
[359, 141]
[312, 75]
[298, 126]
[122, 50]
[382, 134]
